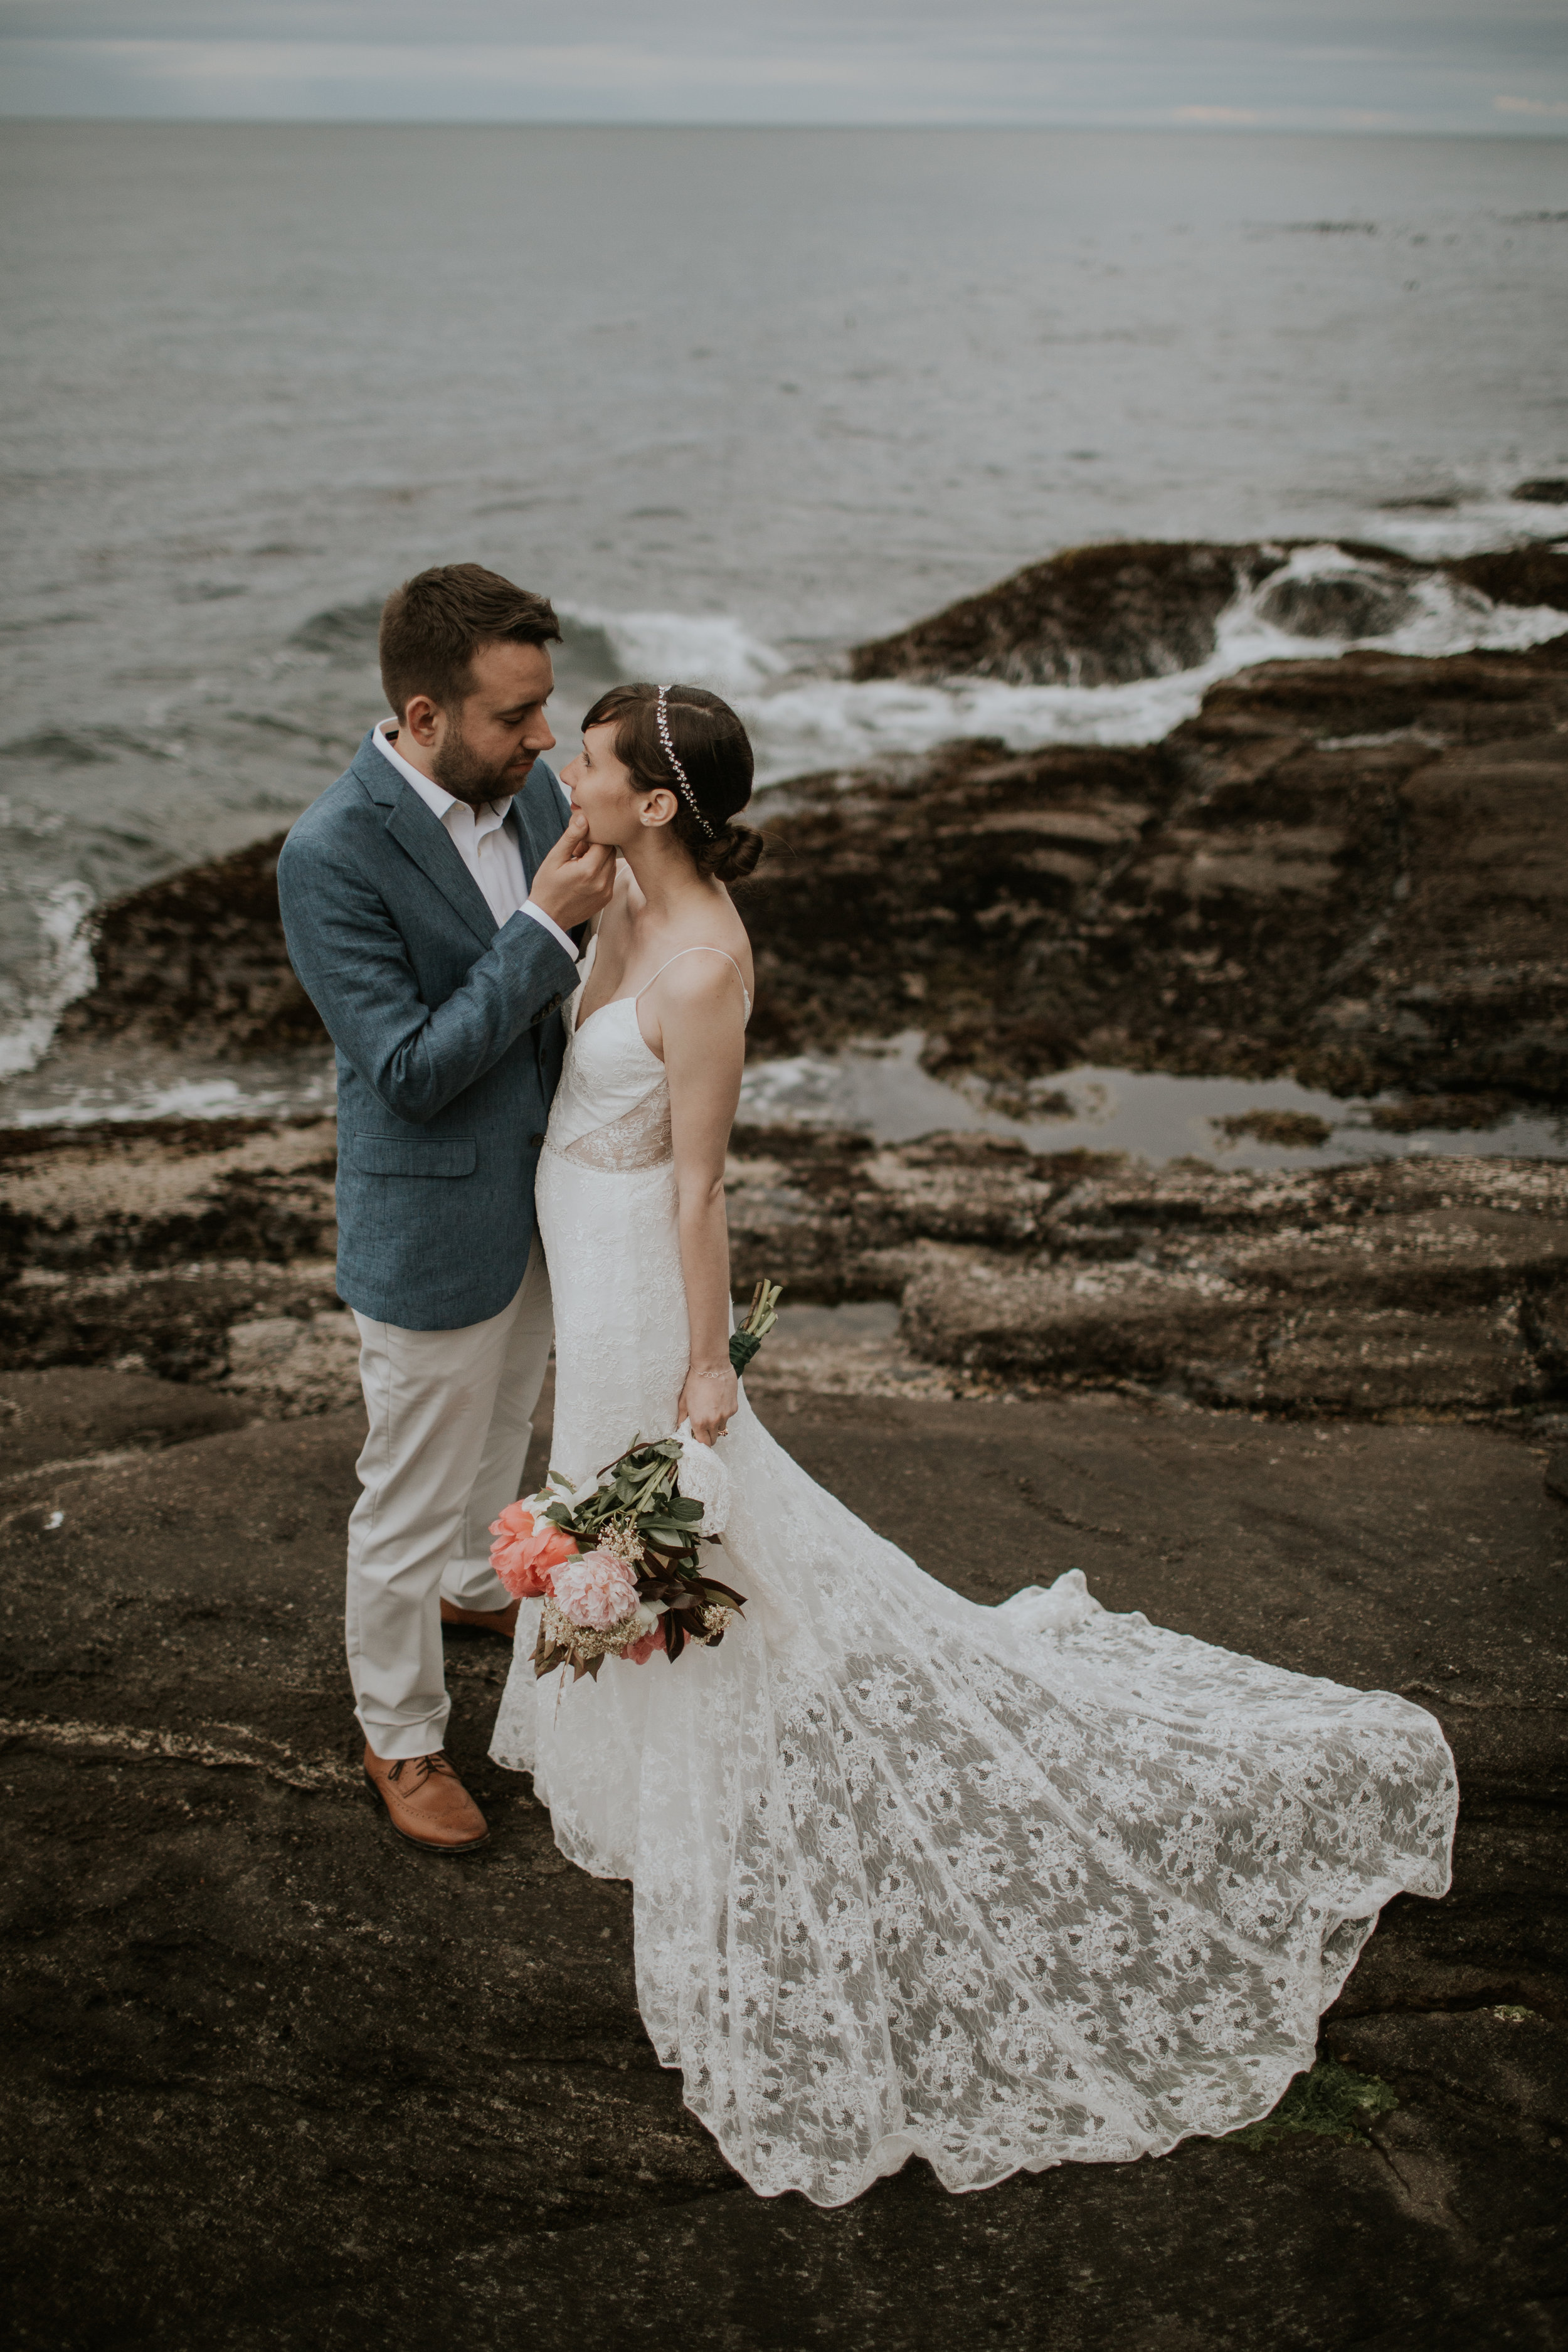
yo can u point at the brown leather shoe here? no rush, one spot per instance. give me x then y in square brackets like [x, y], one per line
[482, 1621]
[427, 1803]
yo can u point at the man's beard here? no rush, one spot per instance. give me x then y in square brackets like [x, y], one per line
[459, 769]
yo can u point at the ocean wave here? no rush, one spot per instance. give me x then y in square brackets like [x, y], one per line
[1430, 531]
[699, 649]
[798, 724]
[64, 971]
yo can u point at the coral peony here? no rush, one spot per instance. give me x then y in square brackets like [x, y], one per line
[595, 1589]
[526, 1550]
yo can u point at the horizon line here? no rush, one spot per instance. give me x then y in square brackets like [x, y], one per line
[1491, 130]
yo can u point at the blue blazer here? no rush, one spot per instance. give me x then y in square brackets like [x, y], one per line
[448, 1026]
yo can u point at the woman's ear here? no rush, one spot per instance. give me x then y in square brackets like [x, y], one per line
[659, 808]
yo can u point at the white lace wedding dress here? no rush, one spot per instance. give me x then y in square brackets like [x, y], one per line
[1004, 1888]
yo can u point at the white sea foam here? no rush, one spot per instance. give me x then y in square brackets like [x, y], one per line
[699, 649]
[65, 971]
[1471, 527]
[802, 724]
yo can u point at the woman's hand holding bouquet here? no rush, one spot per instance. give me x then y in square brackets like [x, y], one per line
[616, 1560]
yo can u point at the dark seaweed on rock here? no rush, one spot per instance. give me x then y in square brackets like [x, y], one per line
[1517, 575]
[199, 959]
[1105, 616]
[1355, 871]
[1093, 616]
[1428, 1286]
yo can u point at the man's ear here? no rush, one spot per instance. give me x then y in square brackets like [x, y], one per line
[421, 719]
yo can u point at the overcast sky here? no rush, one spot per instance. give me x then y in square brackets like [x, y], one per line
[1408, 65]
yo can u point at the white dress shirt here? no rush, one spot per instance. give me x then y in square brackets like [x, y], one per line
[481, 840]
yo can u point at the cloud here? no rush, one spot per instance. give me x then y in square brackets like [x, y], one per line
[582, 65]
[1190, 64]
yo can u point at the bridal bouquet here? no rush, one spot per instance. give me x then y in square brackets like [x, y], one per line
[617, 1560]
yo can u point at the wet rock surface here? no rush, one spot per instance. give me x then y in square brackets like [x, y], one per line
[1425, 1287]
[141, 1244]
[413, 2097]
[198, 959]
[274, 2081]
[1408, 1287]
[1350, 871]
[1092, 616]
[1105, 614]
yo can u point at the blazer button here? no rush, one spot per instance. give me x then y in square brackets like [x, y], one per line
[536, 1139]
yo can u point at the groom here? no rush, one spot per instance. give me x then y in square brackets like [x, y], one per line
[429, 899]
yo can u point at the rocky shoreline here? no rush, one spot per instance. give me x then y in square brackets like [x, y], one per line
[1353, 871]
[202, 1250]
[414, 2099]
[1103, 615]
[1320, 1416]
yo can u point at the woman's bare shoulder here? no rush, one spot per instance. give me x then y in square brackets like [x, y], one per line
[704, 973]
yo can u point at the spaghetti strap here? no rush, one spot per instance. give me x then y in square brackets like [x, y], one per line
[729, 959]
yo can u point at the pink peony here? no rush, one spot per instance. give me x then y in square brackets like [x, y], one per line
[526, 1551]
[645, 1645]
[595, 1589]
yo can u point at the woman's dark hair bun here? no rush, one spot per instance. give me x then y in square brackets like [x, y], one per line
[715, 755]
[732, 856]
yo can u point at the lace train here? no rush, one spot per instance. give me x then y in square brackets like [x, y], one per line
[1001, 1887]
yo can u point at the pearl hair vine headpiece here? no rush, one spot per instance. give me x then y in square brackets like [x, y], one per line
[663, 717]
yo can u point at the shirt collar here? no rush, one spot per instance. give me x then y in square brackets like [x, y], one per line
[438, 801]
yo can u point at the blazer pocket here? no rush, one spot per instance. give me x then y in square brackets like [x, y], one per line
[413, 1155]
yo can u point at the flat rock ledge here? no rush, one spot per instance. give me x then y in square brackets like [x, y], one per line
[1351, 871]
[415, 2099]
[960, 1265]
[275, 2084]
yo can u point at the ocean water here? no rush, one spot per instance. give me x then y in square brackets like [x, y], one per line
[735, 400]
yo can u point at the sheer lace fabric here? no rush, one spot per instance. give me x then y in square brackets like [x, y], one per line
[640, 1138]
[1002, 1887]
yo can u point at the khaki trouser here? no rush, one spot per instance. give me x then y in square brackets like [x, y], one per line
[451, 1417]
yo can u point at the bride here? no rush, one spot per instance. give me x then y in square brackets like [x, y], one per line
[1002, 1888]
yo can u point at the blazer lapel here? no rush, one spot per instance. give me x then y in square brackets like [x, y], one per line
[421, 833]
[415, 829]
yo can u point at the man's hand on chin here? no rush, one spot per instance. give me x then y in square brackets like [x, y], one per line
[574, 882]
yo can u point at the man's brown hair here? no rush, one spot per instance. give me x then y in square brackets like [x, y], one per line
[433, 625]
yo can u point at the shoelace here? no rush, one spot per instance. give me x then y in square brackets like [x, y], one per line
[422, 1765]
